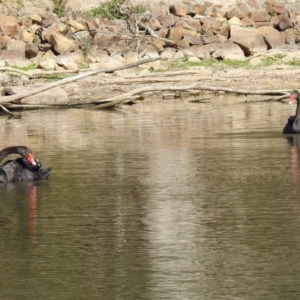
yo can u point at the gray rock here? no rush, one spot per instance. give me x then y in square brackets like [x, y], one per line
[249, 39]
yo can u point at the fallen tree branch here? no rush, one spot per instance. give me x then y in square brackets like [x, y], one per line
[119, 99]
[28, 106]
[158, 79]
[172, 73]
[9, 99]
[36, 73]
[13, 70]
[6, 110]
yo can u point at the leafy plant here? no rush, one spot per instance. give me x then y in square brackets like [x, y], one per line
[267, 61]
[59, 6]
[110, 10]
[82, 65]
[139, 9]
[294, 62]
[117, 9]
[87, 48]
[279, 55]
[56, 76]
[27, 68]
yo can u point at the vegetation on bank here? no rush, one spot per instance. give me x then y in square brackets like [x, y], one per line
[59, 6]
[112, 9]
[121, 9]
[183, 64]
[245, 64]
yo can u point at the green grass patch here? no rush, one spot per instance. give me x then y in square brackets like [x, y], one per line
[116, 9]
[295, 62]
[235, 63]
[268, 61]
[110, 10]
[82, 65]
[279, 55]
[184, 63]
[27, 68]
[59, 6]
[57, 76]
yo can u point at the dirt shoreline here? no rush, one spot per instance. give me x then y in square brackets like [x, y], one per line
[104, 86]
[190, 65]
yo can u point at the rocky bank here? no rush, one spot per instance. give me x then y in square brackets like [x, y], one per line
[187, 31]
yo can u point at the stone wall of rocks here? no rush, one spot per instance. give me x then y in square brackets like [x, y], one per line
[197, 31]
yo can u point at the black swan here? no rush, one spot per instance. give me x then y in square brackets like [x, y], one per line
[25, 168]
[293, 123]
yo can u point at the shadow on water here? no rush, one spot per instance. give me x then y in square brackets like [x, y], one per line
[165, 201]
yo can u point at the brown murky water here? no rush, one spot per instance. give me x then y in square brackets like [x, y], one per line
[168, 201]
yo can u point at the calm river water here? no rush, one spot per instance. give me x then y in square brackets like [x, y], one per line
[155, 201]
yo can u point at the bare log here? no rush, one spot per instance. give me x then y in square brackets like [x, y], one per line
[13, 98]
[13, 70]
[158, 79]
[119, 99]
[6, 110]
[34, 73]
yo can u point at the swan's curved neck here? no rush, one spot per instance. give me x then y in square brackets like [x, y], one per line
[298, 106]
[22, 150]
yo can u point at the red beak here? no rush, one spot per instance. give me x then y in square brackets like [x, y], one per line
[31, 159]
[292, 98]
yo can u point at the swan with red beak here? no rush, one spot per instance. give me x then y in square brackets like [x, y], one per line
[25, 168]
[293, 123]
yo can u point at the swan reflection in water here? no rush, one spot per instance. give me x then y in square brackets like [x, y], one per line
[17, 192]
[294, 141]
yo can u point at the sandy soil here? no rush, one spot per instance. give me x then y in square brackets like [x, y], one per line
[30, 6]
[104, 86]
[39, 6]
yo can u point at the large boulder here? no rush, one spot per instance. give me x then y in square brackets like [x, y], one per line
[195, 9]
[83, 37]
[260, 16]
[62, 44]
[75, 26]
[31, 50]
[175, 35]
[273, 7]
[189, 23]
[249, 39]
[48, 61]
[272, 36]
[211, 25]
[17, 45]
[36, 18]
[9, 25]
[10, 57]
[285, 22]
[235, 12]
[178, 9]
[25, 36]
[229, 51]
[166, 20]
[105, 40]
[202, 52]
[57, 27]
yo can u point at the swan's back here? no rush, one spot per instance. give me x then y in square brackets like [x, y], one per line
[17, 171]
